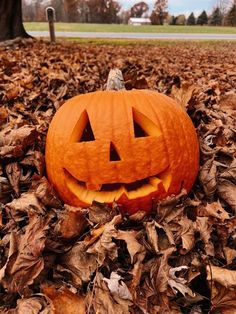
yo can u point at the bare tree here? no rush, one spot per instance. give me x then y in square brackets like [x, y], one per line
[103, 11]
[159, 12]
[224, 6]
[11, 25]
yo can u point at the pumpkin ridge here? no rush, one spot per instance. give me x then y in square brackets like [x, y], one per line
[152, 104]
[131, 133]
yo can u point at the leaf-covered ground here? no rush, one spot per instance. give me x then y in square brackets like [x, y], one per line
[59, 259]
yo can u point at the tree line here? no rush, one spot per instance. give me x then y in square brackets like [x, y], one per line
[110, 11]
[217, 18]
[93, 11]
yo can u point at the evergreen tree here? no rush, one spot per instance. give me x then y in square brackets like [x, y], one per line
[231, 16]
[202, 18]
[216, 17]
[191, 19]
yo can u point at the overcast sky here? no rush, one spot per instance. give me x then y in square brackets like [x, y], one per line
[177, 6]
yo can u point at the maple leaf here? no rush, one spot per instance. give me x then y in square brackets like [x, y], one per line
[25, 261]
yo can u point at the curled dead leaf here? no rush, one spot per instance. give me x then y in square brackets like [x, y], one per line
[105, 247]
[179, 284]
[13, 173]
[63, 301]
[117, 286]
[32, 305]
[101, 213]
[133, 246]
[101, 300]
[223, 300]
[79, 263]
[225, 277]
[184, 94]
[227, 191]
[25, 204]
[187, 234]
[71, 223]
[208, 177]
[216, 210]
[25, 261]
[204, 227]
[46, 194]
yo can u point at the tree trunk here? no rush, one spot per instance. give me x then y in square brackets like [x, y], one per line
[11, 24]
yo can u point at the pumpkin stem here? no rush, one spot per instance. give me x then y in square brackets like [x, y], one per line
[115, 80]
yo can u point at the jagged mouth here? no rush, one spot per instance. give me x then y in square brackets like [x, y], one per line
[113, 191]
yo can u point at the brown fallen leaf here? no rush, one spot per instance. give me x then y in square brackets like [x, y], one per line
[159, 273]
[25, 261]
[26, 203]
[80, 264]
[133, 246]
[45, 193]
[100, 300]
[36, 159]
[223, 300]
[225, 277]
[117, 286]
[100, 213]
[179, 284]
[208, 177]
[63, 301]
[203, 226]
[13, 92]
[14, 142]
[105, 247]
[152, 235]
[32, 305]
[71, 223]
[24, 136]
[230, 172]
[187, 234]
[13, 173]
[230, 254]
[3, 115]
[137, 274]
[227, 103]
[227, 191]
[184, 94]
[216, 210]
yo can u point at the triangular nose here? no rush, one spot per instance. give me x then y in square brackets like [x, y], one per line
[114, 155]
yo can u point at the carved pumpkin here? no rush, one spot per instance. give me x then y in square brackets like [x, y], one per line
[125, 146]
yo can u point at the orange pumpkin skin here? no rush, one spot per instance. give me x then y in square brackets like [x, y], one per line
[130, 147]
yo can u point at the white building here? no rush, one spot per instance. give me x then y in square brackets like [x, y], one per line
[139, 21]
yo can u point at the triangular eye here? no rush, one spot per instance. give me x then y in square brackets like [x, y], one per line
[83, 131]
[87, 135]
[114, 155]
[144, 126]
[138, 131]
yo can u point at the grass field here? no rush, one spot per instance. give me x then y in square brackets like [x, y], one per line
[78, 27]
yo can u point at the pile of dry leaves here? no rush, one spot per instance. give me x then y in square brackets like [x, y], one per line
[59, 259]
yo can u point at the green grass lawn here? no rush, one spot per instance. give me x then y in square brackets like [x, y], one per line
[78, 27]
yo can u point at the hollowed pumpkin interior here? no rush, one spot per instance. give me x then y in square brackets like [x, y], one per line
[112, 192]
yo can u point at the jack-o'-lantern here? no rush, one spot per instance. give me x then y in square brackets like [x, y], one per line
[130, 147]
